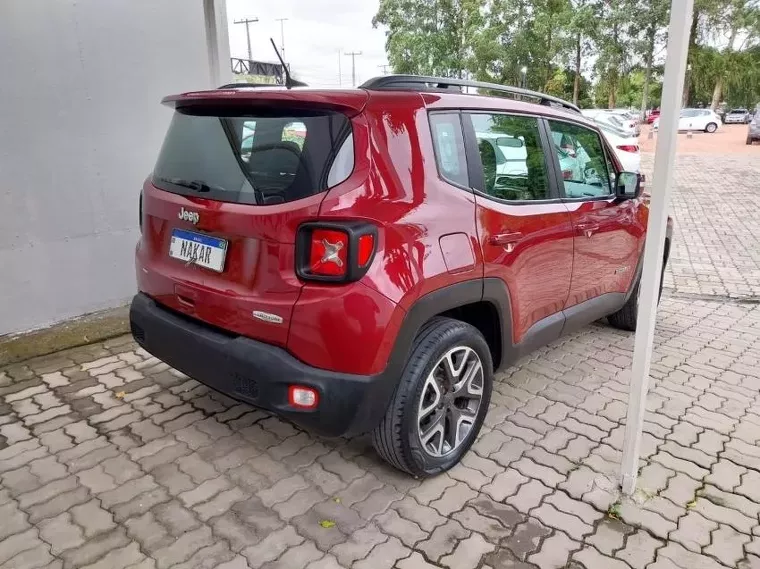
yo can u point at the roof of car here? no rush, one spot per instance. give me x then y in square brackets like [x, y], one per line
[436, 92]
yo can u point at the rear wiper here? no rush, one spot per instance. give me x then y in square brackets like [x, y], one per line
[196, 185]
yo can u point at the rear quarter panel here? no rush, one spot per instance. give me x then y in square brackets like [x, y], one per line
[405, 197]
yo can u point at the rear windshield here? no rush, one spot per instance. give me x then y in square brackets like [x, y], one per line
[265, 159]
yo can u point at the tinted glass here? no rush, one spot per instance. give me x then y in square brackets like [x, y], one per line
[581, 159]
[513, 162]
[446, 129]
[269, 159]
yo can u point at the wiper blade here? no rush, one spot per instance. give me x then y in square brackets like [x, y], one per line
[196, 185]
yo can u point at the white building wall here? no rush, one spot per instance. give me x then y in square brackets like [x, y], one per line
[80, 126]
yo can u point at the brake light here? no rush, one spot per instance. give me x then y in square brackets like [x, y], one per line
[335, 251]
[628, 148]
[328, 252]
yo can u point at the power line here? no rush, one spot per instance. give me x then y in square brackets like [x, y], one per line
[353, 55]
[248, 21]
[384, 67]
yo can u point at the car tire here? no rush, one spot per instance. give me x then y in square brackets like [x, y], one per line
[441, 344]
[711, 127]
[626, 317]
[749, 140]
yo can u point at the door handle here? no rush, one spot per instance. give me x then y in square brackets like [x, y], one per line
[588, 229]
[506, 240]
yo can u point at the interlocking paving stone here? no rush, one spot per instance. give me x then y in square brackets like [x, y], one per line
[694, 531]
[686, 559]
[727, 545]
[554, 552]
[89, 478]
[639, 549]
[384, 555]
[443, 540]
[468, 553]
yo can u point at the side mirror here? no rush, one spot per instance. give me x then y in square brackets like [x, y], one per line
[628, 185]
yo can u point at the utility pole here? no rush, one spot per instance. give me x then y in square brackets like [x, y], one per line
[353, 55]
[282, 35]
[384, 67]
[248, 21]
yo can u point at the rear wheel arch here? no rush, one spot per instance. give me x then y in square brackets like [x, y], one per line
[482, 303]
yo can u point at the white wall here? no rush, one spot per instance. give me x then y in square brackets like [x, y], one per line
[80, 125]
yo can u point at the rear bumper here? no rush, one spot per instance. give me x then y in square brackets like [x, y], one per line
[259, 373]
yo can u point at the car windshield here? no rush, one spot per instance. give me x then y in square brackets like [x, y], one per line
[269, 158]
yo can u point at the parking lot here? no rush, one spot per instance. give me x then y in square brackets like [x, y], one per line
[109, 459]
[728, 139]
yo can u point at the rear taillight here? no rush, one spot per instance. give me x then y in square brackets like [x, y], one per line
[628, 148]
[335, 251]
[328, 252]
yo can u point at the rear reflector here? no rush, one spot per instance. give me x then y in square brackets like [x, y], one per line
[366, 248]
[329, 252]
[302, 397]
[628, 148]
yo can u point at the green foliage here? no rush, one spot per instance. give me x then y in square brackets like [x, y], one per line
[617, 44]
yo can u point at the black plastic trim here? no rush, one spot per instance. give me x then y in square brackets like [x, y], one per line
[474, 162]
[354, 229]
[259, 373]
[592, 309]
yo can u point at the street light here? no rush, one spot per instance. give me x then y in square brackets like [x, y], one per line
[524, 71]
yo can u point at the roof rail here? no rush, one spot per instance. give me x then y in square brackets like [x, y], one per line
[243, 85]
[422, 83]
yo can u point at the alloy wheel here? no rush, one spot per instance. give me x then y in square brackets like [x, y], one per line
[450, 401]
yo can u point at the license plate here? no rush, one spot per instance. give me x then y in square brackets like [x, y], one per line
[197, 249]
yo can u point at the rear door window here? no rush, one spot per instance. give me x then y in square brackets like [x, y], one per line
[512, 157]
[268, 159]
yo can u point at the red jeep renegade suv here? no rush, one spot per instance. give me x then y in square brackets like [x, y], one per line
[363, 260]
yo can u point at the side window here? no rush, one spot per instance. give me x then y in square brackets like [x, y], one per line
[513, 162]
[294, 132]
[448, 141]
[582, 160]
[249, 129]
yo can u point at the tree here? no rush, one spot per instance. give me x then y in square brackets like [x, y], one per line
[613, 43]
[653, 17]
[430, 37]
[582, 27]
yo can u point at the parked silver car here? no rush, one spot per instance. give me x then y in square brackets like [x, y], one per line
[741, 116]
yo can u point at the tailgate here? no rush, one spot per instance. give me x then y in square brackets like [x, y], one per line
[221, 211]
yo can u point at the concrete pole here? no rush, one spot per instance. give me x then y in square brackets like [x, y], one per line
[662, 181]
[217, 41]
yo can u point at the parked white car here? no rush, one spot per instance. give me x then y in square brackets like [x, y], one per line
[626, 147]
[613, 119]
[695, 119]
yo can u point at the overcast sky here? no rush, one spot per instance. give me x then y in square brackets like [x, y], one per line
[316, 32]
